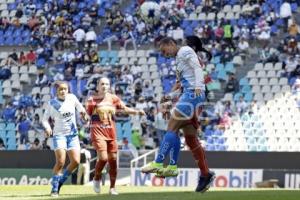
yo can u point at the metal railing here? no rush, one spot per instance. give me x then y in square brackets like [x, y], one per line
[134, 162]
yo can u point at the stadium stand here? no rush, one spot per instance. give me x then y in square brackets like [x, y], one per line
[258, 114]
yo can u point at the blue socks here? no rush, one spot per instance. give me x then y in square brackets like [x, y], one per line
[174, 153]
[55, 183]
[65, 176]
[169, 142]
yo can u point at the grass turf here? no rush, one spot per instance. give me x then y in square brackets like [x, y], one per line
[145, 193]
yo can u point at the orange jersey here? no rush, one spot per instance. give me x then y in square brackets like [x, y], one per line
[102, 112]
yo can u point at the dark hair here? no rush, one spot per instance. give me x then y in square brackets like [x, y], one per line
[167, 40]
[195, 43]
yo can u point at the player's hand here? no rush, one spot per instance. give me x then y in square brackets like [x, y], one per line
[197, 92]
[48, 132]
[85, 117]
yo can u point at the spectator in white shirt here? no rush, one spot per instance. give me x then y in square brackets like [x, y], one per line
[243, 46]
[241, 105]
[79, 36]
[90, 37]
[285, 13]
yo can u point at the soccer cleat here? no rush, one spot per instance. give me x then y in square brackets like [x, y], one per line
[205, 181]
[112, 191]
[169, 171]
[54, 194]
[152, 167]
[96, 186]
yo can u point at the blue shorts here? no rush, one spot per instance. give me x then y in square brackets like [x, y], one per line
[67, 142]
[188, 103]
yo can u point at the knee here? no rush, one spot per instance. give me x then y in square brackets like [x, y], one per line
[103, 159]
[60, 163]
[76, 162]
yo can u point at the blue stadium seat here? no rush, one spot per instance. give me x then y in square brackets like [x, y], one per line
[244, 81]
[127, 130]
[248, 97]
[3, 134]
[229, 67]
[246, 89]
[222, 75]
[237, 96]
[119, 131]
[10, 126]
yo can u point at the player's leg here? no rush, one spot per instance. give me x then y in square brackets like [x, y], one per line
[112, 149]
[187, 106]
[192, 141]
[60, 146]
[170, 141]
[101, 148]
[73, 151]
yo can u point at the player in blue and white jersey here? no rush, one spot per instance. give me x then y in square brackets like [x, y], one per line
[191, 78]
[59, 121]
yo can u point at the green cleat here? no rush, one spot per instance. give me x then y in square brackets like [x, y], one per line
[169, 171]
[152, 167]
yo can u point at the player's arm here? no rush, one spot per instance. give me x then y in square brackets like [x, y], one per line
[79, 107]
[90, 106]
[45, 121]
[125, 109]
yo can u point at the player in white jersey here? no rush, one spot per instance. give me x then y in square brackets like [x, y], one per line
[191, 78]
[59, 121]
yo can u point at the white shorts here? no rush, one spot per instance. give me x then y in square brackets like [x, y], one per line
[67, 142]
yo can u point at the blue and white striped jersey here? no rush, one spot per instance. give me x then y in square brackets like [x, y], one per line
[63, 115]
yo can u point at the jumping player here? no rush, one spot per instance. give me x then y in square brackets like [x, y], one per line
[190, 76]
[60, 111]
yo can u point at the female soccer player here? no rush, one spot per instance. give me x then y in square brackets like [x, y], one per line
[190, 76]
[102, 107]
[60, 113]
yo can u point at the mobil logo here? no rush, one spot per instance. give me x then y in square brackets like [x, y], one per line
[237, 178]
[140, 179]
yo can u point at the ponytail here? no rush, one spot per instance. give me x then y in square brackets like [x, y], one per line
[195, 43]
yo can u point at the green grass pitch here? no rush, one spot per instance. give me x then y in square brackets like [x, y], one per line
[145, 193]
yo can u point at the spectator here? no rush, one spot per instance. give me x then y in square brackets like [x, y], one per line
[22, 59]
[232, 85]
[241, 106]
[31, 57]
[285, 13]
[83, 174]
[86, 22]
[148, 91]
[37, 125]
[41, 79]
[36, 145]
[228, 30]
[13, 58]
[23, 128]
[79, 36]
[90, 37]
[243, 46]
[293, 30]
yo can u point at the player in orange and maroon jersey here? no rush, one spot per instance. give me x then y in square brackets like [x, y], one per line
[102, 107]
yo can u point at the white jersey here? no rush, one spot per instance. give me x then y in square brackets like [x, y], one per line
[189, 70]
[62, 114]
